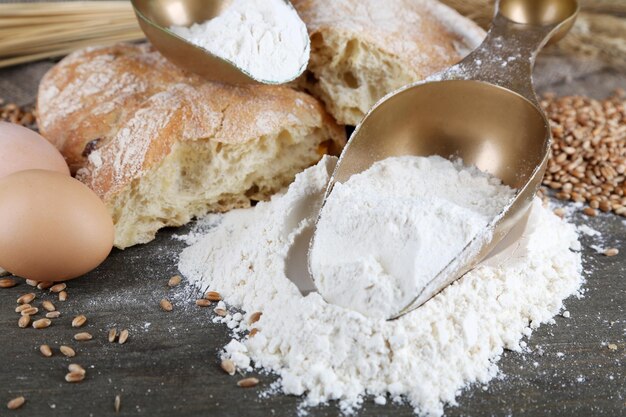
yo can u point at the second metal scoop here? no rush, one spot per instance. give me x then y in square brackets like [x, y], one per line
[483, 110]
[155, 17]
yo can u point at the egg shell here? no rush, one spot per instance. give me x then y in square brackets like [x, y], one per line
[22, 149]
[52, 226]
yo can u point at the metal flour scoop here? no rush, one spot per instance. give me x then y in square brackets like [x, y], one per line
[483, 110]
[155, 17]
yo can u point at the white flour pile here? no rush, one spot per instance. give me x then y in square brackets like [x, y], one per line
[388, 231]
[325, 352]
[264, 37]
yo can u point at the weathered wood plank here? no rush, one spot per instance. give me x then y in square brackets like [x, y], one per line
[169, 365]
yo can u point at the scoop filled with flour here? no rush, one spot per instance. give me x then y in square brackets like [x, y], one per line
[265, 38]
[325, 352]
[386, 232]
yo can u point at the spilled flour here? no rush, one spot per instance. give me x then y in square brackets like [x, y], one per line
[325, 352]
[385, 233]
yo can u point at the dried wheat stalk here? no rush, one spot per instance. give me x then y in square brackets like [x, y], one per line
[32, 31]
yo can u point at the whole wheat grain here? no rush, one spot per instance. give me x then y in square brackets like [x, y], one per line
[588, 162]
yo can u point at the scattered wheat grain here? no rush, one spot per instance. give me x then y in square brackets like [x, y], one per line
[76, 368]
[254, 317]
[213, 296]
[228, 366]
[31, 311]
[22, 307]
[23, 322]
[123, 337]
[45, 350]
[57, 288]
[248, 382]
[166, 305]
[48, 306]
[42, 323]
[16, 403]
[44, 285]
[203, 302]
[74, 377]
[67, 351]
[7, 283]
[79, 321]
[174, 281]
[26, 298]
[112, 335]
[83, 336]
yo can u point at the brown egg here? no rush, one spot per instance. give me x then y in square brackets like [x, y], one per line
[22, 148]
[52, 227]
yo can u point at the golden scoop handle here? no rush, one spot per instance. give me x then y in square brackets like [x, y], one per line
[519, 29]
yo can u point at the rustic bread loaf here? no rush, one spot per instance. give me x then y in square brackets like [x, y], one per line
[364, 49]
[161, 147]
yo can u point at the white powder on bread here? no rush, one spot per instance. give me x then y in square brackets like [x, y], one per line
[387, 232]
[266, 38]
[325, 352]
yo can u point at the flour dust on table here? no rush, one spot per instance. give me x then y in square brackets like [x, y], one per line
[325, 352]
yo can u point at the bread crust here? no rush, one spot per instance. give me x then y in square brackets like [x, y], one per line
[116, 113]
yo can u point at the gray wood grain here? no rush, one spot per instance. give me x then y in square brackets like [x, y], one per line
[169, 366]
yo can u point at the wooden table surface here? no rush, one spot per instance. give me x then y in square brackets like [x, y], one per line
[169, 365]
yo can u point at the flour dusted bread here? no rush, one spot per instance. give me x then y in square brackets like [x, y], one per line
[364, 49]
[160, 146]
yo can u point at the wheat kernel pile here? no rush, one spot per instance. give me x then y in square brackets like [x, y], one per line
[11, 112]
[588, 162]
